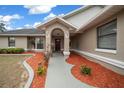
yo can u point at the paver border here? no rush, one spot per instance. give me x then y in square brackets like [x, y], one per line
[30, 71]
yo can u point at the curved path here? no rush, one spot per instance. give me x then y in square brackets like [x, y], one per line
[59, 74]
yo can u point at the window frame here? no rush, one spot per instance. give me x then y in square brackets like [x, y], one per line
[9, 45]
[41, 40]
[106, 35]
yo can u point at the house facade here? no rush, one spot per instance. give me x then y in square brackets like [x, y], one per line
[95, 31]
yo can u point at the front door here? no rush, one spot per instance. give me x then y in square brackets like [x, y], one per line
[57, 44]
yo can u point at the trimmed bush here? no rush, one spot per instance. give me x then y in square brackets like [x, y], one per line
[3, 51]
[85, 70]
[18, 50]
[11, 50]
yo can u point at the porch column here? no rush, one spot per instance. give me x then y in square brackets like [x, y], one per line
[48, 42]
[66, 44]
[35, 43]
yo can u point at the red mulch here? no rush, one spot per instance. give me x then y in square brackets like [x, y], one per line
[100, 76]
[38, 81]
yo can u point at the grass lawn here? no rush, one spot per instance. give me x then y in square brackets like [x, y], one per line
[12, 72]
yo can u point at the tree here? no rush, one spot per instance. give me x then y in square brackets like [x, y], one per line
[2, 27]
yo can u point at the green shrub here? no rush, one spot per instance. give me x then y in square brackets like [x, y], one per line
[18, 50]
[3, 51]
[85, 70]
[41, 70]
[11, 50]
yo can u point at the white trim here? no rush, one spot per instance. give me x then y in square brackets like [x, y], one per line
[41, 50]
[77, 10]
[66, 53]
[113, 62]
[22, 34]
[106, 50]
[11, 47]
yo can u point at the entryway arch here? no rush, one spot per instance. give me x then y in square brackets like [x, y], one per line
[58, 28]
[64, 26]
[57, 40]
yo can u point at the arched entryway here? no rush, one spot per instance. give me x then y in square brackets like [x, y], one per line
[53, 29]
[59, 34]
[57, 40]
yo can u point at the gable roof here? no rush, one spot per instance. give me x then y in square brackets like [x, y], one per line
[81, 9]
[107, 12]
[63, 18]
[23, 32]
[67, 15]
[56, 19]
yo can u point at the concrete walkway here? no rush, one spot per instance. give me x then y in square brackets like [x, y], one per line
[59, 74]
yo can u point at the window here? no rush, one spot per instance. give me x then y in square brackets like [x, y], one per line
[39, 43]
[11, 41]
[106, 35]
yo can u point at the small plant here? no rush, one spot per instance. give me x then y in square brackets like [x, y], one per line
[85, 70]
[41, 70]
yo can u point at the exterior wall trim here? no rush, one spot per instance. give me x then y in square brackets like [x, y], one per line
[83, 8]
[22, 34]
[66, 53]
[113, 62]
[38, 50]
[106, 50]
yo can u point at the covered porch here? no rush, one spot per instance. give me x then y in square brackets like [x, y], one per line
[35, 43]
[57, 34]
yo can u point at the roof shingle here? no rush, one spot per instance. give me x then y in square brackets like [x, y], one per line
[23, 32]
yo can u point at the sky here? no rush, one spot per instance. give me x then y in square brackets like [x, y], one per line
[28, 16]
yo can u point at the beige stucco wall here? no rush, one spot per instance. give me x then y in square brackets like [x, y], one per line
[3, 42]
[88, 40]
[84, 16]
[21, 42]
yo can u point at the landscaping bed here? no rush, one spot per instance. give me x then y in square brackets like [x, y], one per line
[34, 61]
[12, 72]
[99, 77]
